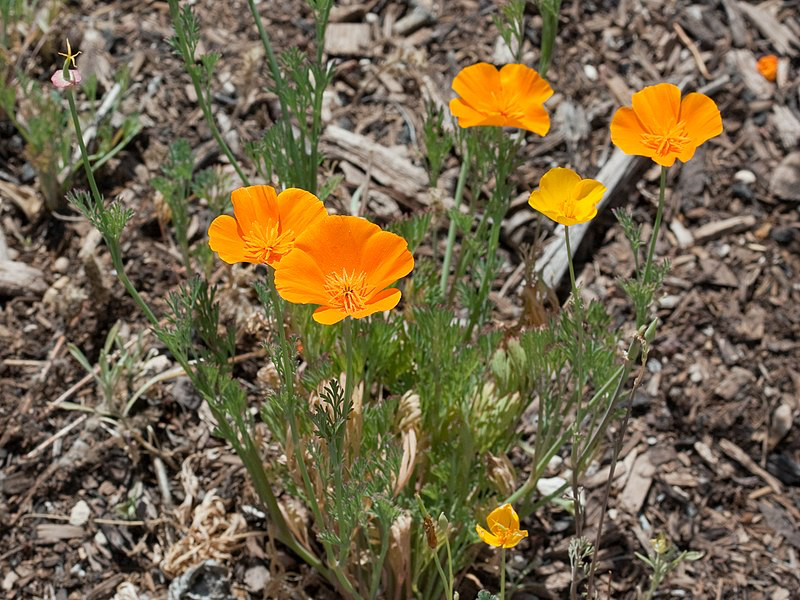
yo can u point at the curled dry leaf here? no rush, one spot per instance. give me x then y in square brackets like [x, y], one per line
[213, 534]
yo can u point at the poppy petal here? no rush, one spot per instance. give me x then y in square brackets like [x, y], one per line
[588, 194]
[385, 258]
[380, 302]
[515, 538]
[328, 316]
[487, 537]
[536, 120]
[702, 118]
[627, 131]
[657, 106]
[334, 243]
[299, 279]
[524, 84]
[225, 238]
[475, 85]
[466, 115]
[557, 184]
[255, 203]
[299, 209]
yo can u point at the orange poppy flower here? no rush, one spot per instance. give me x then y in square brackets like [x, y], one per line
[344, 264]
[768, 66]
[663, 127]
[266, 224]
[503, 528]
[566, 198]
[511, 97]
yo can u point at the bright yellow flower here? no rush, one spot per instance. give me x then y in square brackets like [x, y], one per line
[566, 198]
[503, 528]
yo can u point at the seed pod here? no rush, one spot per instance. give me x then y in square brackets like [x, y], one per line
[430, 532]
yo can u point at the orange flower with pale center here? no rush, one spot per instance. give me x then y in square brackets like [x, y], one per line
[345, 265]
[266, 224]
[768, 66]
[566, 198]
[663, 127]
[504, 528]
[511, 97]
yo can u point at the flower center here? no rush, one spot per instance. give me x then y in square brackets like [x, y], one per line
[671, 141]
[348, 292]
[568, 208]
[507, 105]
[264, 243]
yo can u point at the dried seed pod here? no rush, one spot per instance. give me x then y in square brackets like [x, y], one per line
[430, 532]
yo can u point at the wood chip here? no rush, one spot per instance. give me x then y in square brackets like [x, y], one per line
[740, 456]
[769, 25]
[18, 279]
[388, 166]
[785, 181]
[717, 229]
[48, 533]
[349, 39]
[639, 482]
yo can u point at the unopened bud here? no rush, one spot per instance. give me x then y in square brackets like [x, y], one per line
[660, 543]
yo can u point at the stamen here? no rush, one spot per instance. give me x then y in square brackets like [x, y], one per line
[672, 141]
[264, 243]
[348, 292]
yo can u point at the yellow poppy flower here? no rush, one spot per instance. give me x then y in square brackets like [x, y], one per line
[566, 198]
[504, 528]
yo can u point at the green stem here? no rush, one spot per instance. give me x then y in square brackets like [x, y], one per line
[347, 332]
[84, 154]
[607, 491]
[656, 225]
[377, 567]
[451, 233]
[191, 69]
[578, 385]
[503, 574]
[449, 567]
[293, 428]
[445, 583]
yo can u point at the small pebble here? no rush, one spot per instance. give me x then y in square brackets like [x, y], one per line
[670, 301]
[61, 264]
[745, 176]
[591, 72]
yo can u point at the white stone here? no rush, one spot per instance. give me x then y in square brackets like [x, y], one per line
[80, 513]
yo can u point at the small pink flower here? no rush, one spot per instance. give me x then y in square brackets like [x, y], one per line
[61, 83]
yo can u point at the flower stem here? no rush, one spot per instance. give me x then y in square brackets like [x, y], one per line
[347, 332]
[578, 320]
[84, 154]
[191, 69]
[339, 576]
[656, 225]
[451, 233]
[503, 574]
[445, 582]
[614, 456]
